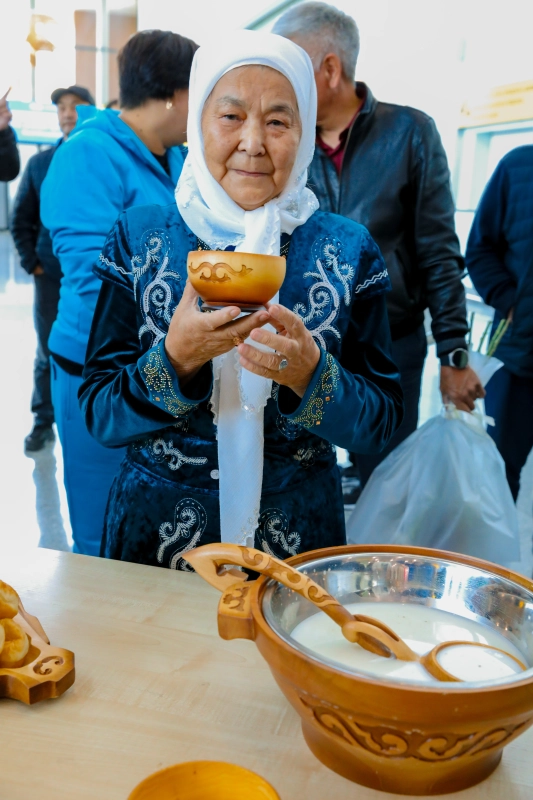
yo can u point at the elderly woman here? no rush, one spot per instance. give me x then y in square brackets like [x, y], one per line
[232, 420]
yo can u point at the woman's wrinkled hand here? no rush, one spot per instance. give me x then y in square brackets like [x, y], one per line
[194, 338]
[292, 343]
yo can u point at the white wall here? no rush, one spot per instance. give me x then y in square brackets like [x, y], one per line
[199, 19]
[432, 54]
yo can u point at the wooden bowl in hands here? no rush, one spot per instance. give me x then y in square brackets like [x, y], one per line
[224, 277]
[204, 780]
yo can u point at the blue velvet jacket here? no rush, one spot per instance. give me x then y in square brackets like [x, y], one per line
[164, 501]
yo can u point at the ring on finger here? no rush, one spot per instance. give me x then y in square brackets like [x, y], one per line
[283, 364]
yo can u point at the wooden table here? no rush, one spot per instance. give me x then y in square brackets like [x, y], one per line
[155, 685]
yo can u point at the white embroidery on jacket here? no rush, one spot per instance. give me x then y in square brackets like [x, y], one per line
[370, 281]
[156, 301]
[190, 520]
[323, 304]
[274, 523]
[112, 264]
[165, 451]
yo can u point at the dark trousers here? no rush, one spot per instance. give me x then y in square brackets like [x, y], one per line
[409, 353]
[45, 303]
[510, 401]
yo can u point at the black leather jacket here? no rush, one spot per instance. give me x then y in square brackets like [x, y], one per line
[9, 155]
[395, 181]
[31, 238]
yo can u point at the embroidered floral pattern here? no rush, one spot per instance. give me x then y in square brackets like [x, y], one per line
[321, 395]
[156, 301]
[160, 450]
[159, 381]
[190, 520]
[273, 531]
[324, 299]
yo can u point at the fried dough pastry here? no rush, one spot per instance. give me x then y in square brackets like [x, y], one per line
[16, 645]
[9, 601]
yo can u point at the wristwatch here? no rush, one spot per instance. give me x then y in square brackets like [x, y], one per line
[458, 358]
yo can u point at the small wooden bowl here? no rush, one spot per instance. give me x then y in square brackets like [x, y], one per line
[204, 780]
[229, 278]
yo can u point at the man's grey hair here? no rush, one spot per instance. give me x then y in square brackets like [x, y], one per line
[327, 29]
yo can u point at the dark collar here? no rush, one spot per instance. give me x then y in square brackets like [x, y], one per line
[370, 101]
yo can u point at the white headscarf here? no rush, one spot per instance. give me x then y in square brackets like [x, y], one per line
[239, 397]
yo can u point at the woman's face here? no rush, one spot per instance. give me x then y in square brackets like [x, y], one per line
[251, 129]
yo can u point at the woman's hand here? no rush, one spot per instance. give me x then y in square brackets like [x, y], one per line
[293, 343]
[194, 338]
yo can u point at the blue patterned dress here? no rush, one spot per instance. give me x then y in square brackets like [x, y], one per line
[164, 501]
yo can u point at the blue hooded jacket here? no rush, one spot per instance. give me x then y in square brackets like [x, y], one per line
[103, 169]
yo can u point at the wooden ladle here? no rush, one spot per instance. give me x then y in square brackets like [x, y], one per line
[211, 562]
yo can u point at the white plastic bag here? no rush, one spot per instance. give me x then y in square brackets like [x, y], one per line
[485, 367]
[443, 487]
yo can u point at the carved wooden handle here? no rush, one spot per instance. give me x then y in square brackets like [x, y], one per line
[210, 559]
[235, 617]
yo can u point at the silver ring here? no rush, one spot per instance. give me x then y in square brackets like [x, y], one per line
[283, 364]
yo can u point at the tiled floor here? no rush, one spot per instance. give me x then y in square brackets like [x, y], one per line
[33, 509]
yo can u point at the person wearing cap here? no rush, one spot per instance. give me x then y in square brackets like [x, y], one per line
[34, 246]
[112, 162]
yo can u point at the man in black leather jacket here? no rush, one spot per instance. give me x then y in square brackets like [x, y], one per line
[384, 166]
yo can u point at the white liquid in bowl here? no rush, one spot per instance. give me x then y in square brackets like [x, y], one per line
[422, 628]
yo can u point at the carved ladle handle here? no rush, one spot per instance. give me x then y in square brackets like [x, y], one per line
[210, 562]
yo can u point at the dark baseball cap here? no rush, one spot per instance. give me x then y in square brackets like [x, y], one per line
[80, 91]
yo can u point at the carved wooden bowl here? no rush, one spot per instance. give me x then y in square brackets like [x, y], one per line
[204, 780]
[229, 278]
[409, 738]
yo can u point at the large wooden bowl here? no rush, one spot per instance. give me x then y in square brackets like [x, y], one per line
[229, 278]
[408, 738]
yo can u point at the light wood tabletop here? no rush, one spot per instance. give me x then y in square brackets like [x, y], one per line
[155, 685]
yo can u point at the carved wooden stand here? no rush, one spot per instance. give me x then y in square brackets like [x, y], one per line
[47, 672]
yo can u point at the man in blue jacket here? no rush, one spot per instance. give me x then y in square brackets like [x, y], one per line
[34, 246]
[112, 161]
[499, 258]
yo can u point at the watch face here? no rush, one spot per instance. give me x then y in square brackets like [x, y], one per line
[460, 358]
